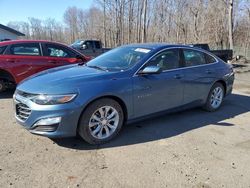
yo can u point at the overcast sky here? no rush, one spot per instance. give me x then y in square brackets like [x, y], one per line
[21, 10]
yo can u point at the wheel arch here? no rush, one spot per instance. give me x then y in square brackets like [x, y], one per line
[223, 84]
[115, 98]
[6, 75]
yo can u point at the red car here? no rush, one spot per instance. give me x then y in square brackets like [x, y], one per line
[20, 59]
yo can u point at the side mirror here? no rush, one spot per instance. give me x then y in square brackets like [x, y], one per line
[83, 47]
[81, 58]
[150, 70]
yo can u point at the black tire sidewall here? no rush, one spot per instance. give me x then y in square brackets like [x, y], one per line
[83, 128]
[2, 86]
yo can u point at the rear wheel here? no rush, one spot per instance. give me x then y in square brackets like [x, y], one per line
[101, 121]
[2, 86]
[215, 97]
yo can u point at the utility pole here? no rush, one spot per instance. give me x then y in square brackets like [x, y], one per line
[230, 24]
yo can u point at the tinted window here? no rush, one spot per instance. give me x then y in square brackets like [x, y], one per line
[193, 58]
[2, 49]
[97, 44]
[32, 49]
[210, 59]
[59, 51]
[167, 60]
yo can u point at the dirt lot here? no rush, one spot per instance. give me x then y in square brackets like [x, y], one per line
[188, 149]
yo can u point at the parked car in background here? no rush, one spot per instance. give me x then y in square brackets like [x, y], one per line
[20, 59]
[91, 48]
[225, 55]
[121, 86]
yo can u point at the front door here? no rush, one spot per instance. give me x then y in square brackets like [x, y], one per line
[58, 55]
[158, 92]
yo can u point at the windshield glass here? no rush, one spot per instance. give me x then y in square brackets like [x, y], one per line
[119, 58]
[78, 43]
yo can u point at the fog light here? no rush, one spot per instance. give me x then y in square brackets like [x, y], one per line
[48, 121]
[47, 124]
[45, 128]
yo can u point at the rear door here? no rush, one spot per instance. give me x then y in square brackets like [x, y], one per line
[199, 75]
[24, 59]
[159, 92]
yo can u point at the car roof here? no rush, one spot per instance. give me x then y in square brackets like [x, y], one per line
[3, 43]
[9, 42]
[156, 45]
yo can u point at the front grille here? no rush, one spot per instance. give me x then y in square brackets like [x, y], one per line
[22, 111]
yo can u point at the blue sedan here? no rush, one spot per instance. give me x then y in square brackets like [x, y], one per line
[124, 85]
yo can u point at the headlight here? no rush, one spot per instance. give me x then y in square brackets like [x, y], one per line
[52, 99]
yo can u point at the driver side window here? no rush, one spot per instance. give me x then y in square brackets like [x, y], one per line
[58, 51]
[166, 60]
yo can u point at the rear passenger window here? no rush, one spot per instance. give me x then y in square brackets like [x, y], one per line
[210, 59]
[2, 49]
[31, 49]
[194, 58]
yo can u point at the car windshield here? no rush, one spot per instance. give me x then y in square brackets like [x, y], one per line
[77, 43]
[119, 59]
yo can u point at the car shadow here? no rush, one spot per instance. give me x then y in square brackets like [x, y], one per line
[7, 94]
[169, 125]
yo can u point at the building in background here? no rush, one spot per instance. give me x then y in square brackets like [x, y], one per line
[7, 33]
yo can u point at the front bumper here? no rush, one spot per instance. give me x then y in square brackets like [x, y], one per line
[69, 114]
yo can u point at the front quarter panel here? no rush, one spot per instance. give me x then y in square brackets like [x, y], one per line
[115, 87]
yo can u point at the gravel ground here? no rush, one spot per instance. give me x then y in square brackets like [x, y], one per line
[187, 149]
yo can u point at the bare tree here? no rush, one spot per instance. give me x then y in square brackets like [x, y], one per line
[222, 23]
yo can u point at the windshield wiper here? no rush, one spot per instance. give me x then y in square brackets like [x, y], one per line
[96, 67]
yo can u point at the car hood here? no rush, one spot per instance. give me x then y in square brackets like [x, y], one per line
[64, 79]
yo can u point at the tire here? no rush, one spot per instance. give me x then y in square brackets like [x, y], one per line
[215, 98]
[101, 121]
[2, 86]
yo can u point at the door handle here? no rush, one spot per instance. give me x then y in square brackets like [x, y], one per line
[209, 71]
[10, 60]
[52, 61]
[178, 76]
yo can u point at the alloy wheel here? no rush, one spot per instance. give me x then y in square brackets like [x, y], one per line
[216, 97]
[103, 122]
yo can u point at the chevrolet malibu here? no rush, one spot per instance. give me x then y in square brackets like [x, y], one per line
[121, 86]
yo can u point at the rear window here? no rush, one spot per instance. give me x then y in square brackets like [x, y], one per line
[31, 49]
[210, 59]
[2, 49]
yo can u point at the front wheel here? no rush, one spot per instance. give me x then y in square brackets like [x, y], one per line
[101, 121]
[2, 86]
[215, 97]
